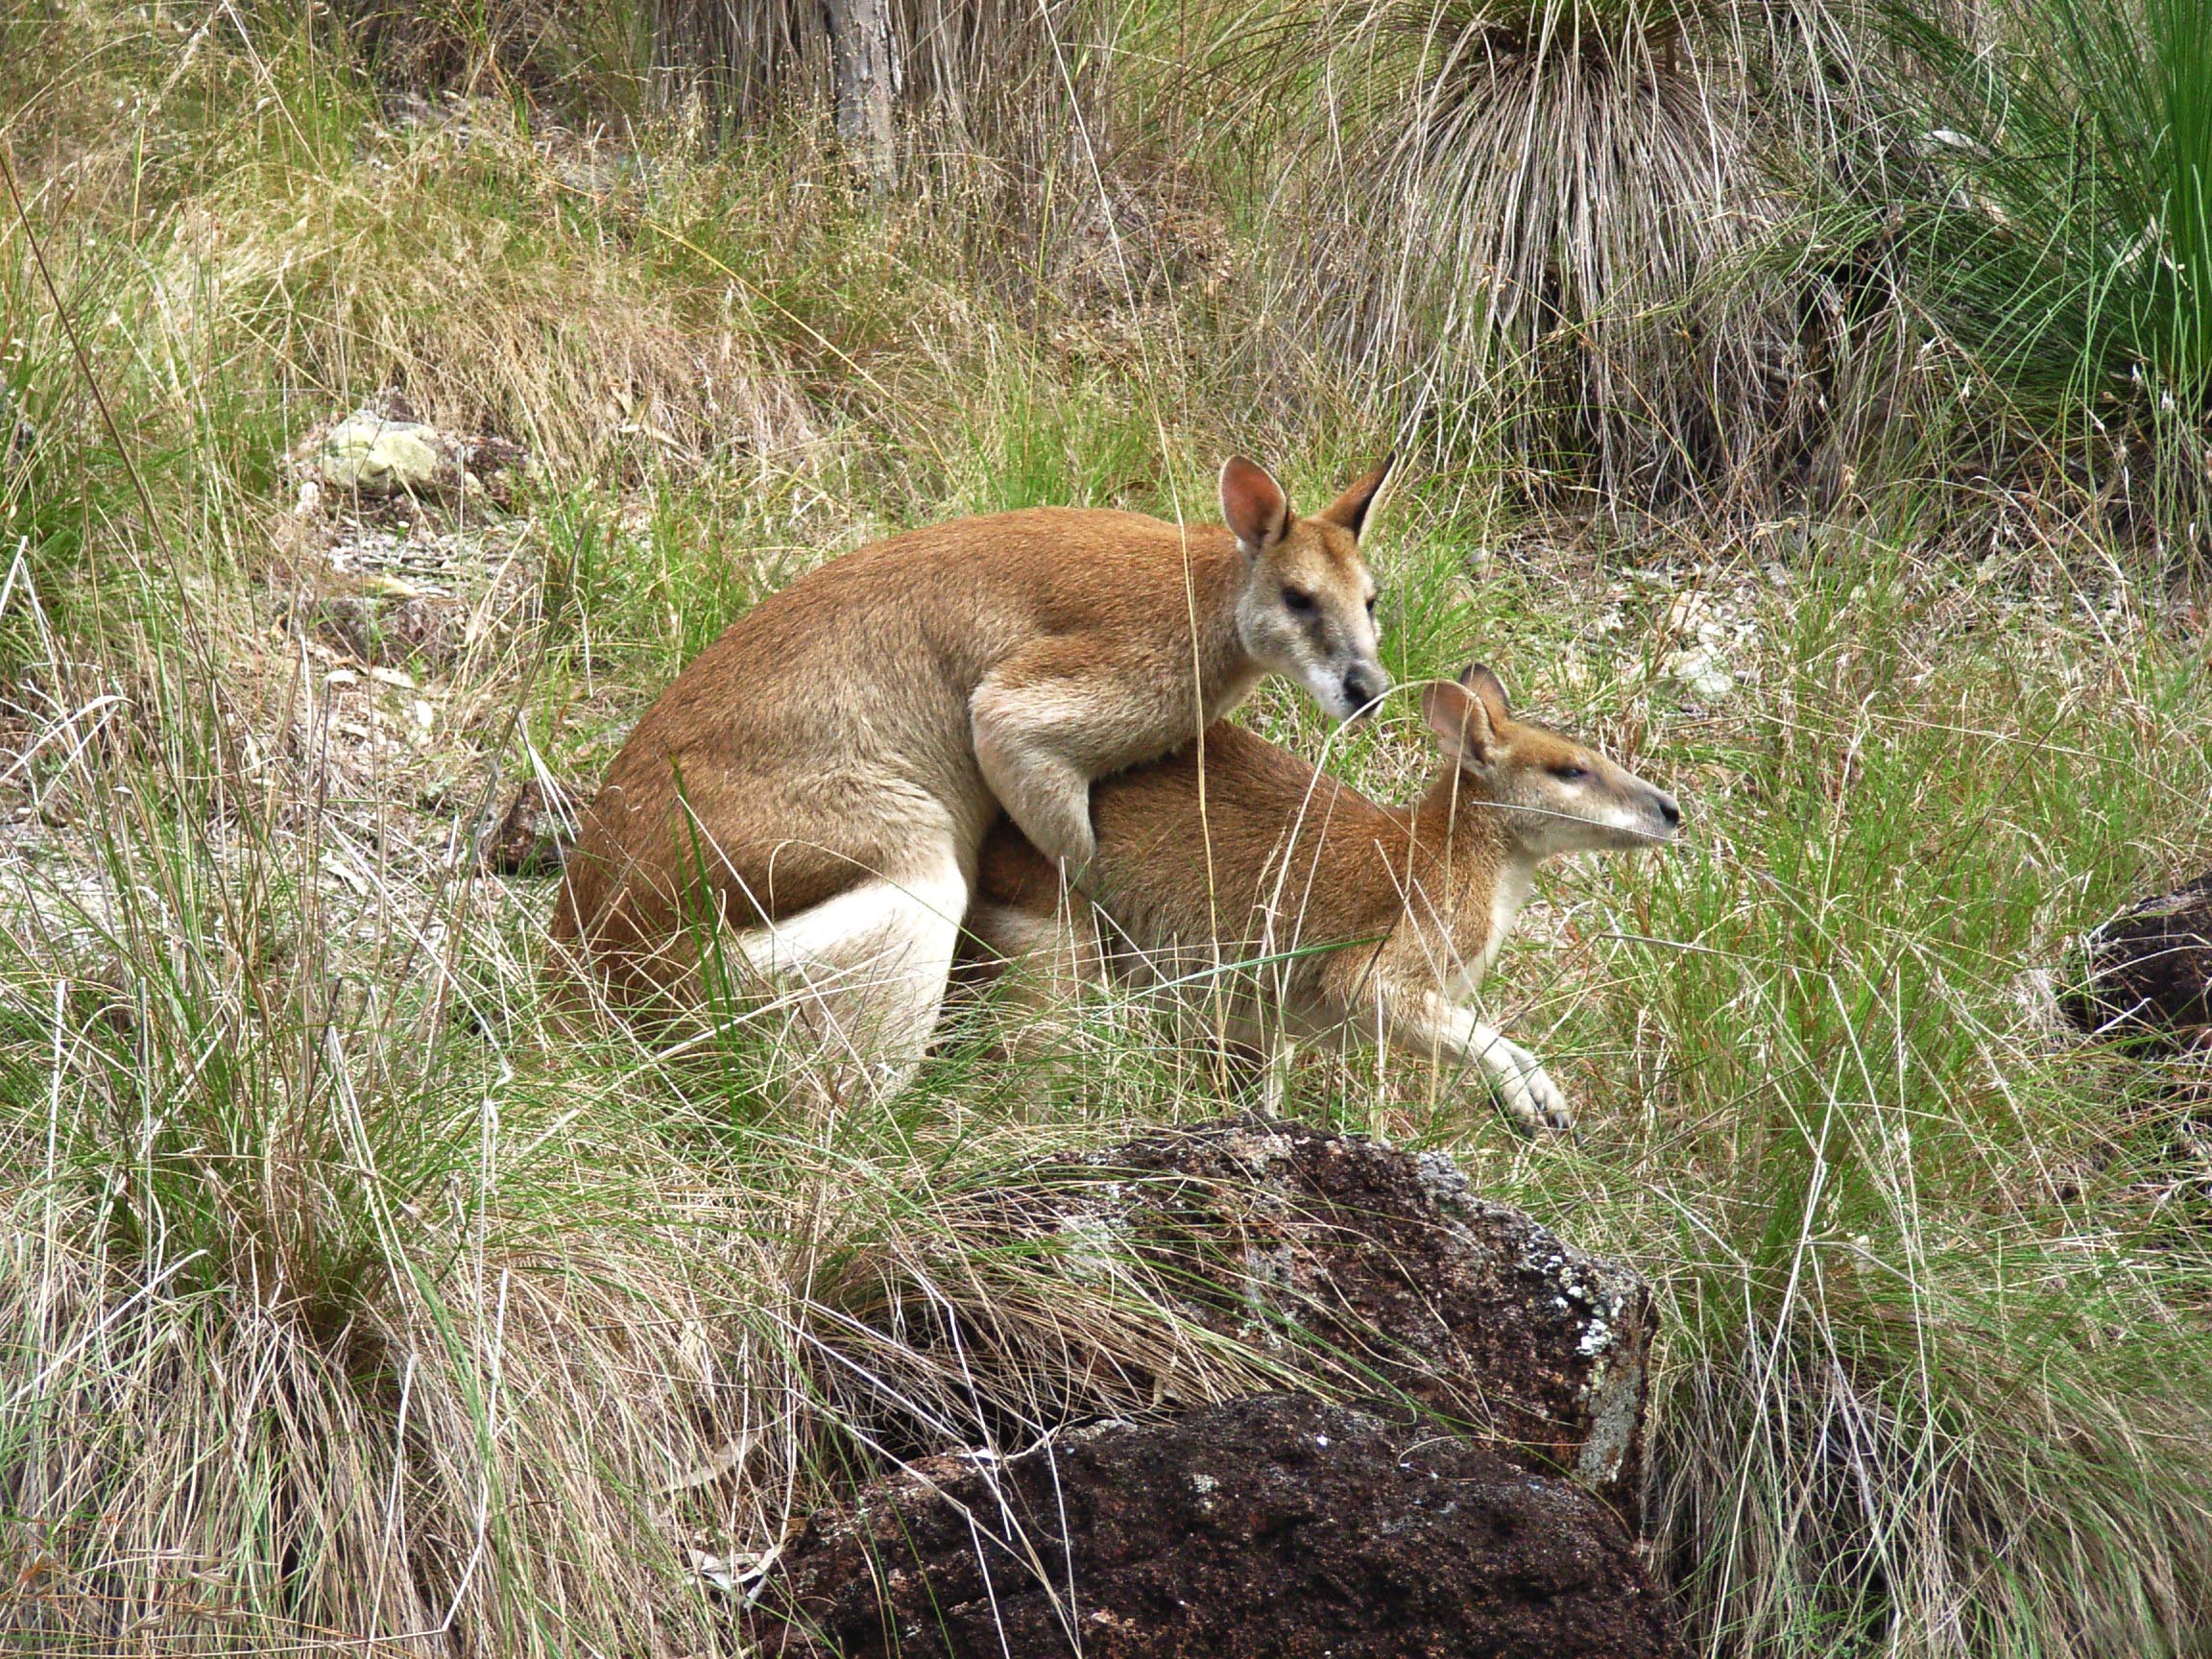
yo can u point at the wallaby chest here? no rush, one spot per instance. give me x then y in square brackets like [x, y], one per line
[1487, 921]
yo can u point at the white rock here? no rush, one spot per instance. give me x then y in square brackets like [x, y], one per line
[367, 452]
[1699, 671]
[714, 1572]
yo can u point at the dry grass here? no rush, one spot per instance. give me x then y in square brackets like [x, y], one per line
[488, 321]
[992, 84]
[346, 1298]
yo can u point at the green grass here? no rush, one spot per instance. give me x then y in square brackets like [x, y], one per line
[2049, 188]
[1906, 1218]
[348, 1291]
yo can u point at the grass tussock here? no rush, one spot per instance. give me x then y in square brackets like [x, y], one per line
[1555, 224]
[349, 1295]
[2046, 192]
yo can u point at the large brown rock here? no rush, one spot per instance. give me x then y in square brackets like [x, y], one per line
[1386, 1268]
[1271, 1527]
[2148, 970]
[1366, 1272]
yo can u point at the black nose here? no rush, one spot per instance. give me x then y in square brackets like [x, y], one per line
[1669, 811]
[1361, 687]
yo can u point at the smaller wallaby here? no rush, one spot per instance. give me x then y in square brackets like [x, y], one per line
[1361, 920]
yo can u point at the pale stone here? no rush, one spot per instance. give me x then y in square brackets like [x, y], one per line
[1699, 671]
[367, 452]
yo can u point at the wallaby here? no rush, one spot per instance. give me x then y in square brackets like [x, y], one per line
[819, 781]
[1361, 920]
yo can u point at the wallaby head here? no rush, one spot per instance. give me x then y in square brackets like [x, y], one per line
[1306, 609]
[1554, 794]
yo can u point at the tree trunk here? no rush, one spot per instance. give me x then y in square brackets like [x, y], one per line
[866, 64]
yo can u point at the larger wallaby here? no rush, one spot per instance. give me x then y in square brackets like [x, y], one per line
[1361, 920]
[812, 790]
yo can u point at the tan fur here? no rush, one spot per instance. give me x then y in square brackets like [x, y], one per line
[1364, 919]
[818, 781]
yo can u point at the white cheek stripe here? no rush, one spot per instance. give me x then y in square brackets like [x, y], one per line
[1325, 687]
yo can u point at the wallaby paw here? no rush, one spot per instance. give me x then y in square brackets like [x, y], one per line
[1536, 1103]
[1079, 846]
[1548, 1103]
[1075, 871]
[1063, 836]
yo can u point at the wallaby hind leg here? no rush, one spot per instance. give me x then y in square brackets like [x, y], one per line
[1051, 957]
[870, 967]
[1040, 963]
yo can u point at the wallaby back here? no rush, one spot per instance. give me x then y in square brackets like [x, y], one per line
[1250, 854]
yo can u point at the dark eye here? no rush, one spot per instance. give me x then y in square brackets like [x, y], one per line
[1298, 599]
[1370, 604]
[1568, 773]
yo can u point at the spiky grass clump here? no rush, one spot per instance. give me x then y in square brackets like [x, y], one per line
[1548, 227]
[2048, 202]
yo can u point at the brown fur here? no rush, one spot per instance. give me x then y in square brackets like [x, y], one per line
[1364, 919]
[862, 728]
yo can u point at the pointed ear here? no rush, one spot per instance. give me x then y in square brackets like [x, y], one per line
[1457, 715]
[1253, 505]
[1349, 510]
[1487, 686]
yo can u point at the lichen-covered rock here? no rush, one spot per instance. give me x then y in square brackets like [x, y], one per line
[2147, 971]
[368, 453]
[1374, 1274]
[1271, 1527]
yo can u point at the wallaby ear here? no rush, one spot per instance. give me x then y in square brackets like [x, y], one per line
[1349, 510]
[1460, 721]
[1253, 505]
[1487, 686]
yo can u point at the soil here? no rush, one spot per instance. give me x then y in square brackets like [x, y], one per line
[1373, 1273]
[1269, 1527]
[2147, 971]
